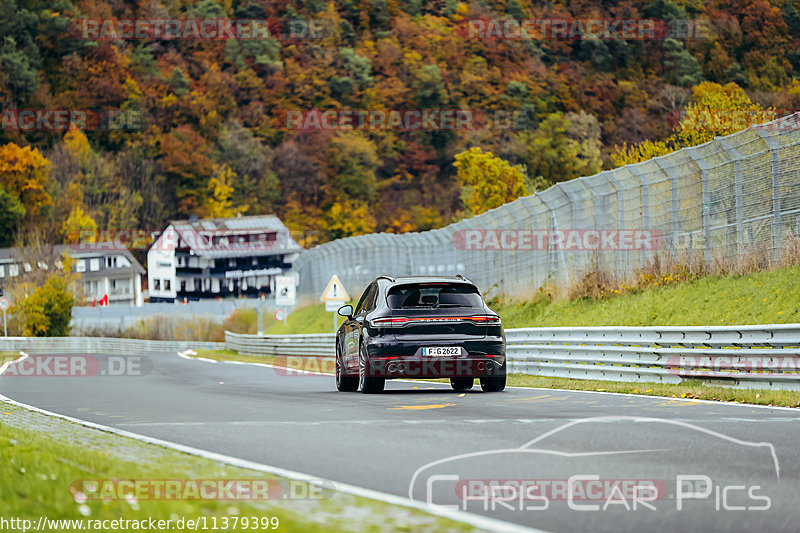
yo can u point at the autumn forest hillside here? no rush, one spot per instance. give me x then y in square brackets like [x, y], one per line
[211, 139]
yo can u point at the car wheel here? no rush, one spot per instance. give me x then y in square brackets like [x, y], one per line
[495, 383]
[344, 383]
[461, 384]
[367, 384]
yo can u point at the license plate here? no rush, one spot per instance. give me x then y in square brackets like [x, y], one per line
[439, 351]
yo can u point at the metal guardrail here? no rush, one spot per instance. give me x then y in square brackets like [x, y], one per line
[761, 356]
[764, 356]
[744, 356]
[100, 345]
[314, 344]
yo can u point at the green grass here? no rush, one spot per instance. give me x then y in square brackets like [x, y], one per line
[308, 319]
[771, 297]
[42, 456]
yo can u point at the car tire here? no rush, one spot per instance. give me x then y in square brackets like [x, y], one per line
[495, 383]
[462, 384]
[367, 384]
[344, 383]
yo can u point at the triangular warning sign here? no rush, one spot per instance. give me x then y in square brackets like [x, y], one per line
[334, 292]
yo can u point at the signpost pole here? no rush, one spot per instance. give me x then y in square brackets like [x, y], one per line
[5, 303]
[285, 315]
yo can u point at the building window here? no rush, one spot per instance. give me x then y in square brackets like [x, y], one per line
[2, 271]
[94, 265]
[156, 284]
[81, 265]
[231, 262]
[183, 285]
[13, 270]
[180, 261]
[167, 285]
[111, 261]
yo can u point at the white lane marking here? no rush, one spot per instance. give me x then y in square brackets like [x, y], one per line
[4, 366]
[505, 421]
[185, 355]
[626, 395]
[491, 524]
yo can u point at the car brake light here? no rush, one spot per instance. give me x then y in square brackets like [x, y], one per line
[400, 321]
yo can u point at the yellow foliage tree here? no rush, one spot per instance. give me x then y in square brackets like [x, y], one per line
[79, 227]
[715, 110]
[488, 181]
[77, 145]
[24, 172]
[220, 194]
[348, 218]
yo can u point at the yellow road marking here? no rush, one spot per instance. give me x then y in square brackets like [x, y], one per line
[680, 402]
[423, 407]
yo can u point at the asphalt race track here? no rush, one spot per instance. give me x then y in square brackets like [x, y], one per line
[504, 455]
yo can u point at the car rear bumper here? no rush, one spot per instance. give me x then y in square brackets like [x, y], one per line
[391, 367]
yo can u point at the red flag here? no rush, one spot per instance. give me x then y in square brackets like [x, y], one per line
[103, 301]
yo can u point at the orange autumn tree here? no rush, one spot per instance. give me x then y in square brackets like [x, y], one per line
[24, 173]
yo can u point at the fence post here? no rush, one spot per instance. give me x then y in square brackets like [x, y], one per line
[701, 163]
[772, 142]
[609, 175]
[645, 194]
[554, 226]
[673, 179]
[737, 193]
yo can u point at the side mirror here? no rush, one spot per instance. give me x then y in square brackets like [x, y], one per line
[346, 311]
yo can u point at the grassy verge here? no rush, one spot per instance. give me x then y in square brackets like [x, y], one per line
[694, 389]
[42, 456]
[769, 297]
[308, 319]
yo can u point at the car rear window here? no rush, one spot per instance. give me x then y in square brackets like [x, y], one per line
[433, 295]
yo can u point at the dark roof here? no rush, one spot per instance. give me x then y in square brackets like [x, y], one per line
[194, 232]
[426, 279]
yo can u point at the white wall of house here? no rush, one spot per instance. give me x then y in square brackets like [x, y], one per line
[161, 282]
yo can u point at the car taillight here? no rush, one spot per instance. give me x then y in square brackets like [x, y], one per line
[400, 321]
[487, 319]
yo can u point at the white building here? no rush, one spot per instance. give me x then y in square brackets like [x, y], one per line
[215, 258]
[105, 270]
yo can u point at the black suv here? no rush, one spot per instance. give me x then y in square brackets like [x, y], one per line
[420, 327]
